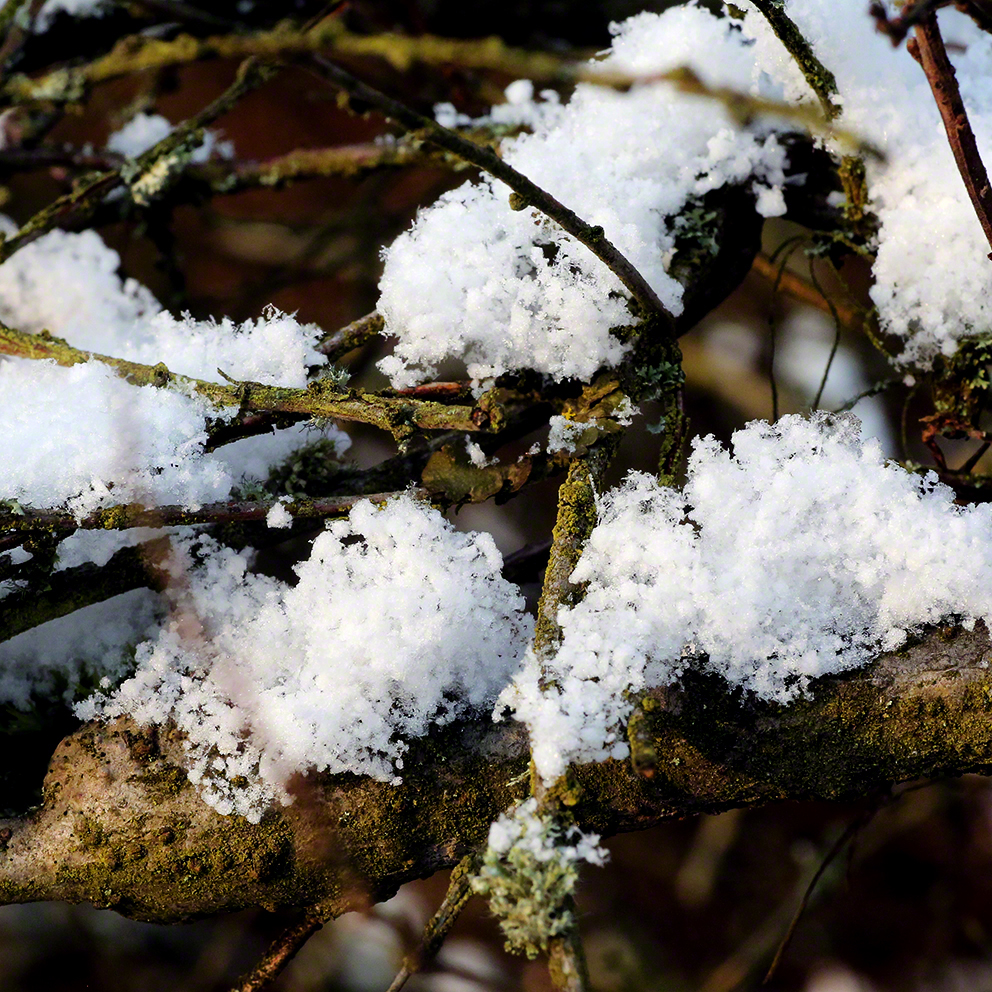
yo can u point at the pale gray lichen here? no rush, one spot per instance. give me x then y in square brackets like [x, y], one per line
[528, 874]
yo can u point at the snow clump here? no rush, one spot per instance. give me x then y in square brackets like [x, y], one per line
[504, 289]
[802, 554]
[398, 622]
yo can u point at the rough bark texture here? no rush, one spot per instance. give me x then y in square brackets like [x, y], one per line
[121, 826]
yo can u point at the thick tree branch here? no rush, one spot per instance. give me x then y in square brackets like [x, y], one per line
[122, 827]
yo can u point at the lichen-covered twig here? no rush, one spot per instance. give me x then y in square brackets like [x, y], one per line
[440, 924]
[149, 174]
[526, 193]
[819, 77]
[928, 47]
[138, 53]
[322, 398]
[14, 527]
[283, 949]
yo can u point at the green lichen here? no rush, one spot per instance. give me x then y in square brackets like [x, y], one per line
[530, 883]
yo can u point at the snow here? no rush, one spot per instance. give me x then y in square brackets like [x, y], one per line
[800, 553]
[804, 553]
[409, 626]
[144, 130]
[279, 517]
[932, 274]
[66, 658]
[512, 291]
[82, 435]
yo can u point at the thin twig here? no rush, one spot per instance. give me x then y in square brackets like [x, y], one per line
[352, 336]
[280, 953]
[820, 79]
[838, 327]
[791, 285]
[850, 832]
[527, 193]
[83, 202]
[399, 415]
[873, 390]
[929, 47]
[440, 924]
[13, 527]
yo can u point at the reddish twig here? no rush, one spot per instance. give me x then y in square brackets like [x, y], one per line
[928, 49]
[282, 951]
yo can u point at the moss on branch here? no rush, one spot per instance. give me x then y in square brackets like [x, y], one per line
[121, 826]
[401, 416]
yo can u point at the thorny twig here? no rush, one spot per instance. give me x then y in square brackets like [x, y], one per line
[928, 48]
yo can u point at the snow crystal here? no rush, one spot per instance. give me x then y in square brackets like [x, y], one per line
[932, 275]
[397, 622]
[144, 130]
[278, 517]
[512, 291]
[802, 554]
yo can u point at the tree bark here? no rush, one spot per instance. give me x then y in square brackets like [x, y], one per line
[122, 827]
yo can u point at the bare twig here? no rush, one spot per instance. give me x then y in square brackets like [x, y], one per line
[919, 10]
[526, 192]
[850, 832]
[282, 951]
[820, 79]
[928, 47]
[352, 336]
[791, 285]
[440, 924]
[126, 516]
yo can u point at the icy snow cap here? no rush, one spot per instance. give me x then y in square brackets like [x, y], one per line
[398, 622]
[505, 289]
[802, 554]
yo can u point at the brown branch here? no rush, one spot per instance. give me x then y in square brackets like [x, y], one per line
[14, 527]
[526, 192]
[401, 416]
[932, 55]
[111, 831]
[284, 948]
